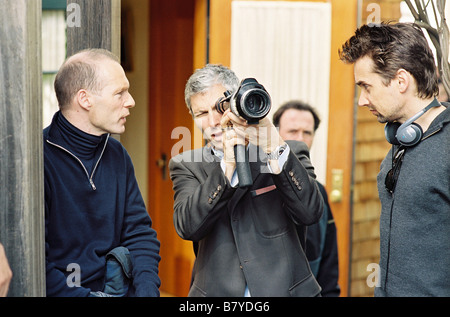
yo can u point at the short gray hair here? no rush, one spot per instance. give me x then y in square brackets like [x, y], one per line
[205, 78]
[80, 71]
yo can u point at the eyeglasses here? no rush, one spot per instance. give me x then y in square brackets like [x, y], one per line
[392, 176]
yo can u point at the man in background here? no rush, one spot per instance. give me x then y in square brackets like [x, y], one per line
[299, 121]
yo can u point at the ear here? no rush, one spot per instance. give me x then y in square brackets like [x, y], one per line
[83, 99]
[403, 80]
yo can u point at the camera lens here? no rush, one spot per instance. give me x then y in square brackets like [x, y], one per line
[251, 101]
[255, 104]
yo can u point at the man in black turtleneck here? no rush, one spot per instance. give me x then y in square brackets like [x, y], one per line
[99, 239]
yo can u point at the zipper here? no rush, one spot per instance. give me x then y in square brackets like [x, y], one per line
[91, 182]
[388, 245]
[432, 133]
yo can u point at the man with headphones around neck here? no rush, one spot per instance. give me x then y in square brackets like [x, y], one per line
[396, 71]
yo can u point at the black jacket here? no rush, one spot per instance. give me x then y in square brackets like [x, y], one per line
[322, 252]
[247, 236]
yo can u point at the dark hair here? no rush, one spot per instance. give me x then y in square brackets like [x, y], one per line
[393, 47]
[297, 105]
[80, 72]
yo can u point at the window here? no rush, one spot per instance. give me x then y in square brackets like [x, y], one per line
[53, 52]
[283, 36]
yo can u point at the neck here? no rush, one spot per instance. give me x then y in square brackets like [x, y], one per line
[79, 119]
[82, 144]
[433, 109]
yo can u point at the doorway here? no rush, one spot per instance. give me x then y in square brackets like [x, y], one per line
[170, 65]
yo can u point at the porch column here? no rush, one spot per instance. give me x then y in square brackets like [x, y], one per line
[93, 24]
[21, 154]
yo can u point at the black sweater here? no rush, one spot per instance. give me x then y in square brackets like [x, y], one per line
[92, 205]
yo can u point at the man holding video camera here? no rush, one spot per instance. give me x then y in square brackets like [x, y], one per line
[244, 235]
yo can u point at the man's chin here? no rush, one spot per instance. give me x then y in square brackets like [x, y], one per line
[117, 131]
[217, 144]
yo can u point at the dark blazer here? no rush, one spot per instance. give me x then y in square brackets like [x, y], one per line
[247, 236]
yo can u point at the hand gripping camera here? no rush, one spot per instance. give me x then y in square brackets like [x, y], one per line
[251, 102]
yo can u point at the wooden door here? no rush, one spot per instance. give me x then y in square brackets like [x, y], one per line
[171, 63]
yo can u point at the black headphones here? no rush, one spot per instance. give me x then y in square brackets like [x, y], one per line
[408, 133]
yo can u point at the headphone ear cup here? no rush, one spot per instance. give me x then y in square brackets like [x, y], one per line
[390, 131]
[410, 135]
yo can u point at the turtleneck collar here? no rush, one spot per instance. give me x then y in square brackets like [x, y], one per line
[80, 143]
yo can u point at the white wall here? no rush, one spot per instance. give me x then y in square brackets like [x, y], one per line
[135, 138]
[286, 46]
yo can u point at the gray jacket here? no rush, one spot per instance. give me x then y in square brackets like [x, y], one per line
[246, 237]
[415, 221]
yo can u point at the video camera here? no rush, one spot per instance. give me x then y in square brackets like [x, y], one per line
[251, 102]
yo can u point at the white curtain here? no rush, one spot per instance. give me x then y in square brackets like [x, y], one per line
[286, 47]
[53, 55]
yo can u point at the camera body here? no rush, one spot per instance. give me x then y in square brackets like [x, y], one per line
[251, 101]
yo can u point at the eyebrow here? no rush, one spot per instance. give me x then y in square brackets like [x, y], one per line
[199, 111]
[361, 83]
[206, 108]
[121, 89]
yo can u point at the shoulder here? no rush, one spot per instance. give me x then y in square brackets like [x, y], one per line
[116, 150]
[45, 132]
[442, 119]
[298, 148]
[193, 156]
[322, 189]
[115, 144]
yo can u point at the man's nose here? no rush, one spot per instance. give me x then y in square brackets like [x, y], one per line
[214, 118]
[130, 102]
[363, 101]
[300, 136]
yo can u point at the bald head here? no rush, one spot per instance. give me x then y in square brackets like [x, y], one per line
[80, 71]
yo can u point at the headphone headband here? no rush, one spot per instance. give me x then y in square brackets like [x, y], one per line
[409, 133]
[434, 103]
